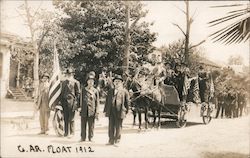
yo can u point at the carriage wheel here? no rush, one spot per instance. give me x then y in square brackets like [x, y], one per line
[58, 122]
[181, 122]
[207, 117]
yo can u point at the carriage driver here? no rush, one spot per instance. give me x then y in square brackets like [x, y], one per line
[116, 108]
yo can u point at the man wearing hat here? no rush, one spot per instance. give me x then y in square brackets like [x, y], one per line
[42, 103]
[70, 99]
[89, 108]
[116, 108]
[203, 84]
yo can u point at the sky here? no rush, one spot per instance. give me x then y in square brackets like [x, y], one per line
[163, 14]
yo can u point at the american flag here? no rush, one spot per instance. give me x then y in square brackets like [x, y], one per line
[196, 91]
[211, 88]
[186, 86]
[55, 86]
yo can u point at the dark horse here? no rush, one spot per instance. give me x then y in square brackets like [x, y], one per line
[138, 103]
[143, 102]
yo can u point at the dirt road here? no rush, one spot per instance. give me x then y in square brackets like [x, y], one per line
[228, 138]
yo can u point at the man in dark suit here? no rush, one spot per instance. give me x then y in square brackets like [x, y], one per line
[116, 108]
[241, 101]
[221, 103]
[203, 85]
[89, 108]
[70, 101]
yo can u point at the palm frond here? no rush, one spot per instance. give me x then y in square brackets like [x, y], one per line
[224, 19]
[236, 32]
[231, 5]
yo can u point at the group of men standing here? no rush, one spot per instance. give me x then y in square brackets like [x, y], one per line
[86, 99]
[231, 102]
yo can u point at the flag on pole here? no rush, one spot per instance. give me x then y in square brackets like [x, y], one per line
[196, 91]
[54, 85]
[186, 86]
[211, 87]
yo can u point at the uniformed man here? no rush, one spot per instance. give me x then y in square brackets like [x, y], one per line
[179, 81]
[116, 108]
[221, 103]
[70, 101]
[203, 85]
[43, 103]
[89, 108]
[241, 101]
[232, 97]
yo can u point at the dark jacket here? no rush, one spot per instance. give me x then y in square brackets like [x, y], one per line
[122, 109]
[70, 94]
[241, 99]
[90, 103]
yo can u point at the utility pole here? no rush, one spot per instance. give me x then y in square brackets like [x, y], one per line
[127, 38]
[188, 23]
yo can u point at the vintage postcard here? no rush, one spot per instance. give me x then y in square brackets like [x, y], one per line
[124, 79]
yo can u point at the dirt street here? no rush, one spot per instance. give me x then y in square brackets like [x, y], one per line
[228, 138]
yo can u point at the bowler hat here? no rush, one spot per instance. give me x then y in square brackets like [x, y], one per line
[91, 75]
[118, 77]
[45, 75]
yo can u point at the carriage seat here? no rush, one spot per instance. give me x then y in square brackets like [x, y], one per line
[170, 95]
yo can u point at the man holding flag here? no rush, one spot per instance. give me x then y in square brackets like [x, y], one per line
[70, 100]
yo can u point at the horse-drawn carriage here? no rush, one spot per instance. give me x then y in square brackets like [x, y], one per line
[174, 109]
[163, 101]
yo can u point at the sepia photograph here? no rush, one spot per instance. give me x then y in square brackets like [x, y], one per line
[124, 79]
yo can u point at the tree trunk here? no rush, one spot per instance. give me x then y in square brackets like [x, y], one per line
[126, 52]
[36, 70]
[187, 33]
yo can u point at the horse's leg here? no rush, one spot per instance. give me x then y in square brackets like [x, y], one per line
[139, 116]
[159, 118]
[134, 114]
[153, 110]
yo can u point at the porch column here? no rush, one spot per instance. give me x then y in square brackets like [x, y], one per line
[18, 75]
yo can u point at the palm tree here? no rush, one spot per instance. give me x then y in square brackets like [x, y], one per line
[239, 28]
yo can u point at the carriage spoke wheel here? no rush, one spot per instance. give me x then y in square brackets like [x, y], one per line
[58, 123]
[181, 122]
[207, 117]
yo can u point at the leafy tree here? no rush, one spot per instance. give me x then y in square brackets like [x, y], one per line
[90, 35]
[36, 21]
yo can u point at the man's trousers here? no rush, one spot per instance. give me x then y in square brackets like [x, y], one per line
[91, 124]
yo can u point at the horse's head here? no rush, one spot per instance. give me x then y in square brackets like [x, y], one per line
[135, 86]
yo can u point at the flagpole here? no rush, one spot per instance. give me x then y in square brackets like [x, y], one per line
[55, 82]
